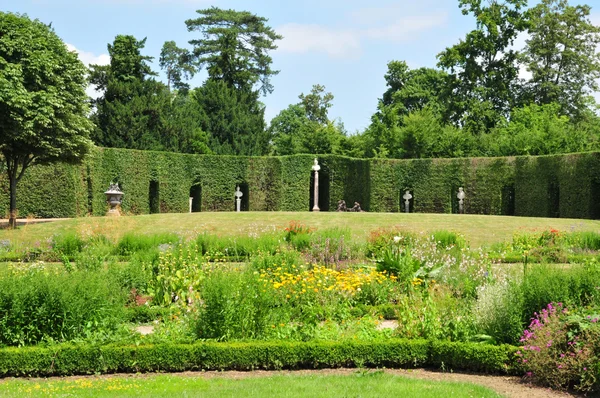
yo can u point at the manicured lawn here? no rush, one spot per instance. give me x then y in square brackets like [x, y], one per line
[373, 384]
[479, 230]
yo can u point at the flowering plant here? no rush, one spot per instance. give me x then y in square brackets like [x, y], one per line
[560, 349]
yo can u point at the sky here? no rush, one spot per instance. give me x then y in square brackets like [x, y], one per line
[344, 45]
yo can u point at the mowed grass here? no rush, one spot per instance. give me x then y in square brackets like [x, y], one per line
[479, 230]
[372, 384]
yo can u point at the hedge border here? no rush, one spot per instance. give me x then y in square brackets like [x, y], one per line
[67, 360]
[544, 186]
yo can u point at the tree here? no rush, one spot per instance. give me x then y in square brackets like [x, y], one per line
[178, 65]
[305, 127]
[133, 110]
[562, 56]
[235, 47]
[316, 104]
[412, 90]
[539, 130]
[483, 68]
[43, 107]
[234, 119]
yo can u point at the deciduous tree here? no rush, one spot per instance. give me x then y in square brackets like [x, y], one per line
[43, 107]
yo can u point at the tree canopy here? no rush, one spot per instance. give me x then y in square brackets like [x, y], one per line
[235, 47]
[43, 107]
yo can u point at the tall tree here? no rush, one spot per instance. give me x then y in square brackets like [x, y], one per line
[316, 104]
[483, 67]
[305, 127]
[235, 47]
[177, 64]
[562, 56]
[234, 119]
[132, 110]
[43, 107]
[412, 90]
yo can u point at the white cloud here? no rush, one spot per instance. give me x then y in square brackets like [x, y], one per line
[347, 42]
[301, 39]
[89, 58]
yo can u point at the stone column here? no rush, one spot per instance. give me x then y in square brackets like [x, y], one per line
[316, 169]
[191, 201]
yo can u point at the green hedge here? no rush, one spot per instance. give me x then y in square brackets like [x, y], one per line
[73, 360]
[547, 186]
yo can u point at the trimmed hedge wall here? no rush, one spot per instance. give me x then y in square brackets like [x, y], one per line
[73, 360]
[546, 186]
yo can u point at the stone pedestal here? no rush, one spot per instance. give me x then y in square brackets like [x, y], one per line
[238, 199]
[316, 169]
[407, 197]
[114, 197]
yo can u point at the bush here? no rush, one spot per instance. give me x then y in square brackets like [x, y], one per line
[444, 239]
[68, 244]
[74, 360]
[42, 306]
[216, 247]
[232, 306]
[576, 286]
[132, 243]
[562, 350]
[499, 311]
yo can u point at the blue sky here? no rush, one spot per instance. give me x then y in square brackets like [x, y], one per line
[344, 45]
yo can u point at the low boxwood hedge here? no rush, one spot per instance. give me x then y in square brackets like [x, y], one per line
[75, 359]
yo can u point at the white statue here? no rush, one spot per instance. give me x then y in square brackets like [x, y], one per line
[238, 199]
[316, 169]
[461, 200]
[407, 197]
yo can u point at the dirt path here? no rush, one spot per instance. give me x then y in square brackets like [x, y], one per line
[507, 386]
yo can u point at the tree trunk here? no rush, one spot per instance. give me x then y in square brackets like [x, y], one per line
[12, 220]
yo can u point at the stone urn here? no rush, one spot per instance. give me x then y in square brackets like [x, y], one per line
[114, 197]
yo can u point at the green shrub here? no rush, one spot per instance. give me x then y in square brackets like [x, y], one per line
[576, 286]
[286, 259]
[132, 243]
[74, 360]
[588, 240]
[41, 306]
[444, 239]
[499, 310]
[233, 306]
[68, 244]
[217, 247]
[380, 239]
[400, 263]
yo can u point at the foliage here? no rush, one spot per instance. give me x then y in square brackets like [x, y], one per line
[498, 311]
[70, 360]
[38, 306]
[560, 349]
[234, 119]
[232, 306]
[43, 112]
[176, 278]
[483, 67]
[177, 64]
[562, 56]
[235, 47]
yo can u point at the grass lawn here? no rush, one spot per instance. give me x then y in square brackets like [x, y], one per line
[372, 384]
[479, 230]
